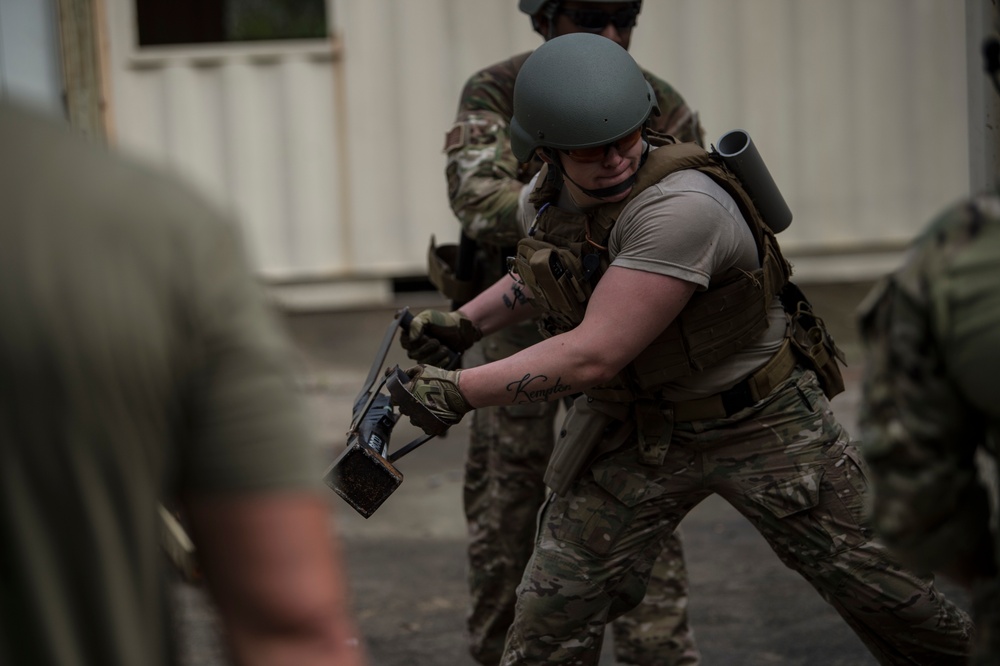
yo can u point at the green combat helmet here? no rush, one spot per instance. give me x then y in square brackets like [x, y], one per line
[578, 91]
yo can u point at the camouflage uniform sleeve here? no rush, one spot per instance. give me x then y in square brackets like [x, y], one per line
[484, 177]
[921, 419]
[676, 118]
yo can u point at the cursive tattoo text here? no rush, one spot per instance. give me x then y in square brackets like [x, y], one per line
[524, 392]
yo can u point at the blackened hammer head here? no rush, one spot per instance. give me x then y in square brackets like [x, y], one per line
[363, 477]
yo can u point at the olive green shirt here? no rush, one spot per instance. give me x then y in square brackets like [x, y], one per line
[138, 360]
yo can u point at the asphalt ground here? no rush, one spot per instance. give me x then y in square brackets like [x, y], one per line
[406, 563]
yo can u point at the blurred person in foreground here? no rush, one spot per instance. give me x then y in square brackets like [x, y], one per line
[510, 445]
[667, 302]
[138, 360]
[931, 405]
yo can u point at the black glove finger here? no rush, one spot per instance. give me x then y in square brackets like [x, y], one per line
[431, 352]
[419, 346]
[440, 358]
[448, 336]
[406, 342]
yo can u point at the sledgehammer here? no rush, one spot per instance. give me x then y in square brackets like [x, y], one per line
[364, 474]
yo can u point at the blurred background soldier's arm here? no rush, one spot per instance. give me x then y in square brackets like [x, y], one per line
[484, 178]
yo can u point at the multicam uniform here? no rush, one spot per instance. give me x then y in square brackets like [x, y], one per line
[932, 335]
[781, 459]
[509, 446]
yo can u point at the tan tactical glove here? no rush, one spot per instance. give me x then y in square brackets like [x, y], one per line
[437, 390]
[435, 337]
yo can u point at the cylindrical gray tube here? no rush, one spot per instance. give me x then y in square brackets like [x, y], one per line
[737, 150]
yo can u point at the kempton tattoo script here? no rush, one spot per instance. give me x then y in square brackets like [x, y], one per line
[523, 392]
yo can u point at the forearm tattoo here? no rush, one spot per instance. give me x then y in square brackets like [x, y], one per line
[526, 389]
[518, 296]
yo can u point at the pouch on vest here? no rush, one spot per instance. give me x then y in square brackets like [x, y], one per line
[442, 261]
[656, 426]
[591, 428]
[556, 278]
[812, 342]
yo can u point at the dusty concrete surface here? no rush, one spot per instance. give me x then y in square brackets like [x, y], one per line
[407, 562]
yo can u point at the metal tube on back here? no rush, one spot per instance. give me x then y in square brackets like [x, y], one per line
[739, 153]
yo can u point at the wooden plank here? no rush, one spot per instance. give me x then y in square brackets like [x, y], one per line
[83, 92]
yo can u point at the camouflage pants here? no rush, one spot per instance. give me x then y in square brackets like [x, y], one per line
[509, 448]
[787, 466]
[986, 611]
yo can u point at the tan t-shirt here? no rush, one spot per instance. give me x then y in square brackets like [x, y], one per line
[688, 227]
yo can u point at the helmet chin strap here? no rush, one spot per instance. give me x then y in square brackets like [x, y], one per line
[549, 11]
[613, 190]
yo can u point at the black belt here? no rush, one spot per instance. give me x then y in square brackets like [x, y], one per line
[745, 393]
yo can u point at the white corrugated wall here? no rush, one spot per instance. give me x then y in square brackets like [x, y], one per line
[857, 106]
[330, 152]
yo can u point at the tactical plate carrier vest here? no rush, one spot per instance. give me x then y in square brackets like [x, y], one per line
[565, 254]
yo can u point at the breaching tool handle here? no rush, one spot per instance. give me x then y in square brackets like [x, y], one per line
[420, 416]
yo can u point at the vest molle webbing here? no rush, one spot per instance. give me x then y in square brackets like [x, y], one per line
[566, 254]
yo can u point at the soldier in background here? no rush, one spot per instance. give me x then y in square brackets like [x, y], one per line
[509, 447]
[931, 402]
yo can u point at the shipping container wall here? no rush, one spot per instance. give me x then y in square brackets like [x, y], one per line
[328, 151]
[858, 108]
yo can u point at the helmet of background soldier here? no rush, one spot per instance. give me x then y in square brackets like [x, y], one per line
[539, 9]
[532, 7]
[578, 91]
